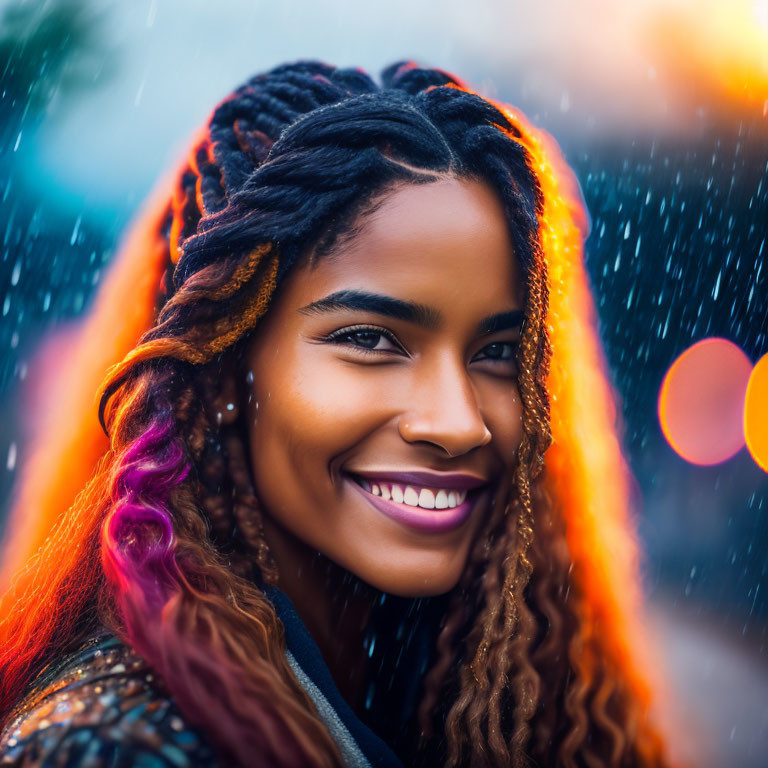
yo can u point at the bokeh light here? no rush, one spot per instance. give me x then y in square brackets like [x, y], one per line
[756, 413]
[701, 402]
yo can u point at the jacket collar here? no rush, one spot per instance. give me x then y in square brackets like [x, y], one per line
[359, 745]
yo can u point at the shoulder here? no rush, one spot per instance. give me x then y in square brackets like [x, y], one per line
[101, 706]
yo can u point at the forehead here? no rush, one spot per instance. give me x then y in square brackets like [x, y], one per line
[445, 244]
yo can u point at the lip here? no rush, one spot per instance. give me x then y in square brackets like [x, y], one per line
[424, 520]
[456, 480]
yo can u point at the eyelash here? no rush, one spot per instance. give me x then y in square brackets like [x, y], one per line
[342, 333]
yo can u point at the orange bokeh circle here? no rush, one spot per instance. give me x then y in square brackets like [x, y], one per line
[756, 413]
[701, 401]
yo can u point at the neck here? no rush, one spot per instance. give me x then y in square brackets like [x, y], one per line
[333, 604]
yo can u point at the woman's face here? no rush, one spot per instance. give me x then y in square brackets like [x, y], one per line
[384, 406]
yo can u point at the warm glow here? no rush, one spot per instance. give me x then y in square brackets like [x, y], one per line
[701, 401]
[756, 413]
[717, 49]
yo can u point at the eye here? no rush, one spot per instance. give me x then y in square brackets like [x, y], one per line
[499, 351]
[365, 338]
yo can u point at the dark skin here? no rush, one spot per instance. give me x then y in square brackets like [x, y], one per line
[385, 394]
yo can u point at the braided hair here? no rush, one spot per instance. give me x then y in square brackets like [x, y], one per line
[287, 162]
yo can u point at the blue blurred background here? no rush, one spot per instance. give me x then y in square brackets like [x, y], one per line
[660, 107]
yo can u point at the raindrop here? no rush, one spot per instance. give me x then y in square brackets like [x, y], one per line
[10, 463]
[75, 231]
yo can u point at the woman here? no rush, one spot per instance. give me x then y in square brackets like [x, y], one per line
[323, 531]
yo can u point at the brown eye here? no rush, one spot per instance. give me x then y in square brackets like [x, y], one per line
[365, 339]
[499, 350]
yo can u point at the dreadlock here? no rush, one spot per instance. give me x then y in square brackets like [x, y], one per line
[288, 160]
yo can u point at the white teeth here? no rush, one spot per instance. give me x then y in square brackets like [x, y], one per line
[410, 496]
[427, 499]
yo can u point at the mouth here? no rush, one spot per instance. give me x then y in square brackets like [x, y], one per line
[426, 509]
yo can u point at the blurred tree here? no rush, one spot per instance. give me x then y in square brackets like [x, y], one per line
[47, 51]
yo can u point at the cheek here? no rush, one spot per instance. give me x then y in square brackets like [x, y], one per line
[503, 413]
[312, 406]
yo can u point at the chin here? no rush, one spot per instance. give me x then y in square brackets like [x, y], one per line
[413, 581]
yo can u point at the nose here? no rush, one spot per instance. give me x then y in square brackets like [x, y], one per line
[444, 410]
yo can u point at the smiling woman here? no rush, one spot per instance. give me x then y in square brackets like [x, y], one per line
[323, 531]
[375, 363]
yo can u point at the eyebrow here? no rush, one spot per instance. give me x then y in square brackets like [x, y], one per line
[411, 312]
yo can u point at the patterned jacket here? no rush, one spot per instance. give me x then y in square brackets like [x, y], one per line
[103, 707]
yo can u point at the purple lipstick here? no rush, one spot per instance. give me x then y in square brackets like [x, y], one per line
[438, 503]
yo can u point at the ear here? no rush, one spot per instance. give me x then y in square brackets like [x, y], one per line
[221, 381]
